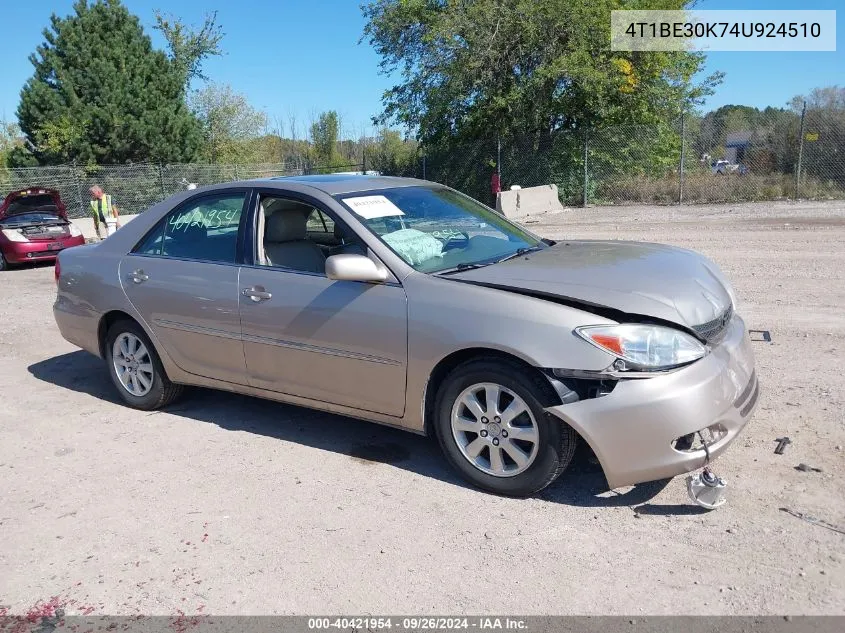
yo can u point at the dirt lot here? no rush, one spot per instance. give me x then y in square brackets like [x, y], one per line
[226, 504]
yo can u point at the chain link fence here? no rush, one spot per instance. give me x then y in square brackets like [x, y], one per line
[773, 155]
[769, 155]
[137, 187]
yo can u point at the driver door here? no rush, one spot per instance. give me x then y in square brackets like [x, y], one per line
[340, 342]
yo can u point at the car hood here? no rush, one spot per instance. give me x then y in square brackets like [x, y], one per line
[43, 200]
[636, 278]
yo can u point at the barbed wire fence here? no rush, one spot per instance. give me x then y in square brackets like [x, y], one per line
[777, 156]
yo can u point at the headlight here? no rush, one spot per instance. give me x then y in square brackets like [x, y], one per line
[15, 235]
[644, 347]
[74, 230]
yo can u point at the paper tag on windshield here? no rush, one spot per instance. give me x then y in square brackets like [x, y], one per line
[369, 207]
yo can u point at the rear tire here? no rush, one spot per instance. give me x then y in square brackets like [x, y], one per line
[135, 368]
[519, 449]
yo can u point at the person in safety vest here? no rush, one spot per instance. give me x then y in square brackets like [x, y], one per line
[103, 211]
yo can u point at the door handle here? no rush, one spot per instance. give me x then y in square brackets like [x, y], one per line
[138, 276]
[256, 294]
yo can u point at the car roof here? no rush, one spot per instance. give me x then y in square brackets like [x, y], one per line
[334, 184]
[329, 184]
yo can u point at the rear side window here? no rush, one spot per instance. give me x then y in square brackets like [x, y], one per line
[318, 222]
[205, 230]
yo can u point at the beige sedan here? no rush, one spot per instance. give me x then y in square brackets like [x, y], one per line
[407, 303]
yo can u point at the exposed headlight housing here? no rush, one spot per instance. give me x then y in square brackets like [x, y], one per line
[644, 347]
[74, 230]
[15, 235]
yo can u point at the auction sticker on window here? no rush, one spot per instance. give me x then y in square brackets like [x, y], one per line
[370, 207]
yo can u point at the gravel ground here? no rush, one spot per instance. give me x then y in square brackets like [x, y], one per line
[231, 505]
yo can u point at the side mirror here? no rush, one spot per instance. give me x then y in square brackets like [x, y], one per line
[350, 267]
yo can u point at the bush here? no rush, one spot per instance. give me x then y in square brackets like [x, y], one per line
[708, 187]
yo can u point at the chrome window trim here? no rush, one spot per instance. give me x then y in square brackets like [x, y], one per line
[280, 269]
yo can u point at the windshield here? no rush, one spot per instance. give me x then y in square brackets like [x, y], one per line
[31, 218]
[437, 229]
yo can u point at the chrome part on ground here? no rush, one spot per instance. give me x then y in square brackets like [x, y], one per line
[706, 489]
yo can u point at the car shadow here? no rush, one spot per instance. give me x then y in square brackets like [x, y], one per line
[583, 484]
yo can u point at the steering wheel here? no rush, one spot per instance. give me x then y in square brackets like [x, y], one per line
[452, 237]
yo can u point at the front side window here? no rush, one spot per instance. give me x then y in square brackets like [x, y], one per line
[435, 229]
[205, 230]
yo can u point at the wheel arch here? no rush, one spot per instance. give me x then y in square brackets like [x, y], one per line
[459, 357]
[113, 316]
[106, 321]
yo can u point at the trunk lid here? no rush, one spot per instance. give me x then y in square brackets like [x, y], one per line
[653, 280]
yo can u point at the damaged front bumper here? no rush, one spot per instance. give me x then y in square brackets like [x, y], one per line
[641, 430]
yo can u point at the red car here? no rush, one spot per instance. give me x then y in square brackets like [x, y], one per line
[34, 227]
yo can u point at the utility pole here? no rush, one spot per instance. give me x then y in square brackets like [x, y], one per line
[800, 153]
[586, 145]
[161, 181]
[75, 172]
[683, 152]
[499, 157]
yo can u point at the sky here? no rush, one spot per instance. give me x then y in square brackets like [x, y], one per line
[301, 58]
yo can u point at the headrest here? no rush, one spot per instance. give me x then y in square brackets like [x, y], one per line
[286, 226]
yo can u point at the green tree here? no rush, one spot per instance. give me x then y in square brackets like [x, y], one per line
[189, 46]
[522, 68]
[824, 133]
[230, 125]
[9, 139]
[101, 93]
[392, 155]
[324, 133]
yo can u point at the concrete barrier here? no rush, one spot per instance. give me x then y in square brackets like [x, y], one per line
[519, 204]
[86, 225]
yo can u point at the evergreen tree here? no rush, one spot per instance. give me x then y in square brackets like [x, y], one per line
[101, 93]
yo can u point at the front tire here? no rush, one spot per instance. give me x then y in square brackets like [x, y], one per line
[136, 369]
[3, 264]
[492, 427]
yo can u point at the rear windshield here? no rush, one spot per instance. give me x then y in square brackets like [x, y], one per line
[32, 218]
[40, 202]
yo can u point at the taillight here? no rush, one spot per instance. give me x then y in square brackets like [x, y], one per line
[57, 271]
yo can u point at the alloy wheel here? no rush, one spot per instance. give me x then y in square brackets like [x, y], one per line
[495, 429]
[133, 364]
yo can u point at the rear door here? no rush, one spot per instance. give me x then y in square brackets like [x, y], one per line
[183, 280]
